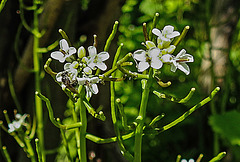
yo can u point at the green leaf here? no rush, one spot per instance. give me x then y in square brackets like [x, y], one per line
[227, 125]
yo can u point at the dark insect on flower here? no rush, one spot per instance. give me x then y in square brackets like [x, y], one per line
[70, 84]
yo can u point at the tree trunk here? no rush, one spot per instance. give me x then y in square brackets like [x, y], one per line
[216, 55]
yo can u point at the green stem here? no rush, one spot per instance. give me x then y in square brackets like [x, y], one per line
[51, 116]
[38, 150]
[83, 128]
[37, 70]
[194, 108]
[141, 118]
[30, 150]
[218, 157]
[112, 35]
[6, 154]
[99, 140]
[2, 4]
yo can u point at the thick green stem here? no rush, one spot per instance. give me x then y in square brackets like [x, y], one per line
[83, 128]
[141, 118]
[37, 70]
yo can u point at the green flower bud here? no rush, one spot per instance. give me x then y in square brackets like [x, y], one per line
[81, 52]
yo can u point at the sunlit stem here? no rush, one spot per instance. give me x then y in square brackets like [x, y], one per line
[161, 83]
[114, 120]
[199, 158]
[188, 97]
[13, 93]
[38, 150]
[65, 143]
[2, 4]
[178, 158]
[49, 48]
[6, 116]
[64, 35]
[3, 127]
[30, 149]
[95, 40]
[6, 154]
[51, 116]
[194, 108]
[122, 113]
[99, 140]
[92, 111]
[142, 117]
[145, 32]
[156, 119]
[153, 25]
[83, 119]
[48, 69]
[218, 157]
[183, 34]
[112, 35]
[33, 128]
[37, 70]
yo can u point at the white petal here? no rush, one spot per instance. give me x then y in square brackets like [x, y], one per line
[184, 68]
[91, 65]
[190, 59]
[167, 58]
[173, 34]
[143, 66]
[59, 77]
[82, 81]
[181, 53]
[156, 63]
[150, 44]
[89, 92]
[101, 66]
[103, 56]
[87, 70]
[157, 32]
[71, 51]
[173, 68]
[168, 29]
[92, 51]
[94, 80]
[154, 52]
[64, 45]
[57, 55]
[94, 89]
[171, 49]
[67, 66]
[140, 55]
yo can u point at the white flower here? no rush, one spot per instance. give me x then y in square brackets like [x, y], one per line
[96, 60]
[166, 36]
[149, 58]
[16, 124]
[190, 160]
[64, 52]
[179, 62]
[90, 85]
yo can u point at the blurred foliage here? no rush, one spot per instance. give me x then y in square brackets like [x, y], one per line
[193, 136]
[227, 125]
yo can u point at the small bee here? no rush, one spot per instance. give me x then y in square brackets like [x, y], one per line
[68, 83]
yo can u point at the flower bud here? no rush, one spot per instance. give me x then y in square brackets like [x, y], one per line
[81, 52]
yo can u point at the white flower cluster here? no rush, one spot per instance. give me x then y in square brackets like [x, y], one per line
[18, 123]
[79, 71]
[155, 56]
